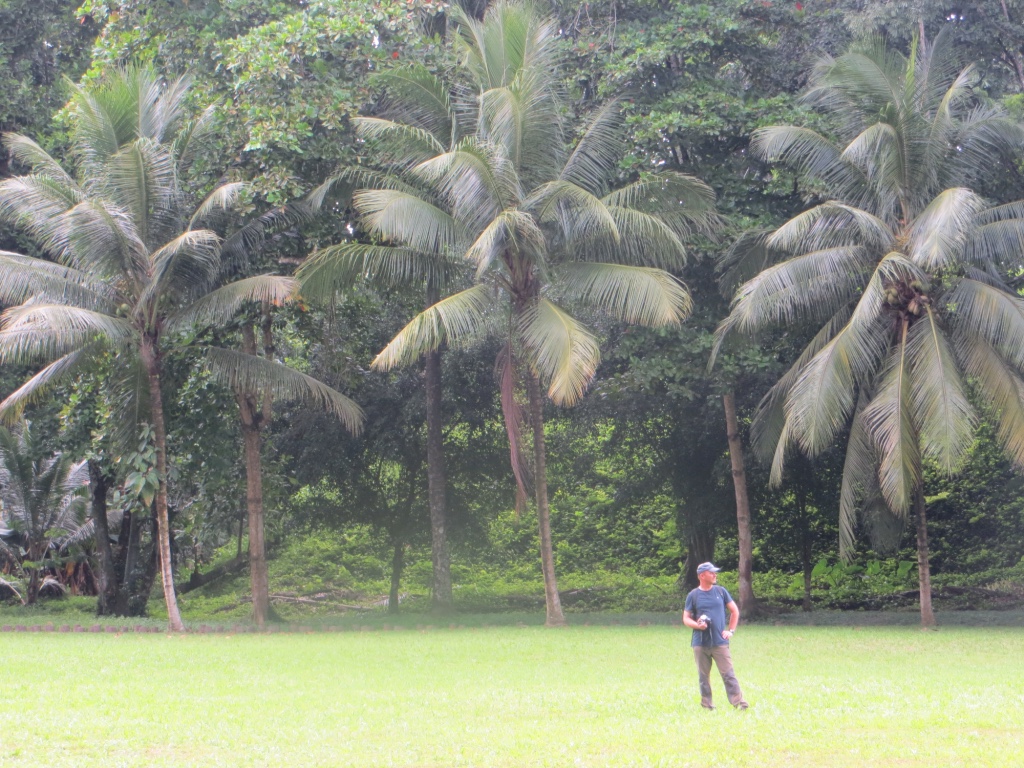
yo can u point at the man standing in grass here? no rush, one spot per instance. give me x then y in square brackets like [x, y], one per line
[711, 634]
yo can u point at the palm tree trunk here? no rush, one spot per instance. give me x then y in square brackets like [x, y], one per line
[924, 575]
[441, 601]
[552, 602]
[397, 564]
[106, 577]
[151, 360]
[251, 418]
[748, 603]
[254, 503]
[32, 593]
[805, 548]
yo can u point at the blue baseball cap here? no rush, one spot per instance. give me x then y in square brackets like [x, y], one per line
[705, 567]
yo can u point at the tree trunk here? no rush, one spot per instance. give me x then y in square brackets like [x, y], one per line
[805, 545]
[924, 575]
[441, 600]
[106, 577]
[252, 418]
[748, 603]
[32, 593]
[700, 548]
[397, 563]
[151, 360]
[552, 602]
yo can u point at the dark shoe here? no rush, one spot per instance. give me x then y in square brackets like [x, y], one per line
[742, 705]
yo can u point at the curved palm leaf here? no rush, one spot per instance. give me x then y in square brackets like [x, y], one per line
[635, 295]
[564, 353]
[248, 373]
[451, 320]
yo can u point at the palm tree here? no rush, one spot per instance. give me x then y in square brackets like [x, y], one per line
[902, 269]
[413, 121]
[132, 268]
[539, 222]
[42, 498]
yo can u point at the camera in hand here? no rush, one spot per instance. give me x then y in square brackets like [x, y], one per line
[703, 619]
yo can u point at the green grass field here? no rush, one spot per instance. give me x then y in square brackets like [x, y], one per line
[513, 696]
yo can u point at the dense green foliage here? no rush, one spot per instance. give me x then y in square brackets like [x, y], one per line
[638, 471]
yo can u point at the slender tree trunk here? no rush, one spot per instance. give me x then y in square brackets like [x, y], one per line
[252, 417]
[106, 577]
[748, 603]
[553, 603]
[254, 502]
[700, 548]
[805, 549]
[151, 360]
[32, 593]
[397, 564]
[441, 600]
[924, 575]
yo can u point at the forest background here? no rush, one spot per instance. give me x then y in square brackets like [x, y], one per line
[639, 472]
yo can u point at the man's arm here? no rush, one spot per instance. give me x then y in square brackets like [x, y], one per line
[734, 619]
[688, 621]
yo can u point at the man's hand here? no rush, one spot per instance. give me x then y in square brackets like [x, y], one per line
[727, 634]
[702, 625]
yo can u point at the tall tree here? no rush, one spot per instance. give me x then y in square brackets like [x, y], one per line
[537, 218]
[902, 268]
[413, 120]
[132, 267]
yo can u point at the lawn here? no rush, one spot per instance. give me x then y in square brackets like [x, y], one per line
[513, 696]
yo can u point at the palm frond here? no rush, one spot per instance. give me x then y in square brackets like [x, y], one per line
[223, 198]
[256, 375]
[940, 232]
[814, 155]
[420, 98]
[1000, 387]
[810, 286]
[451, 320]
[341, 266]
[860, 478]
[511, 228]
[580, 215]
[22, 278]
[407, 140]
[940, 405]
[25, 151]
[831, 225]
[889, 419]
[407, 219]
[639, 238]
[635, 295]
[186, 265]
[223, 304]
[359, 177]
[564, 353]
[475, 178]
[981, 310]
[33, 332]
[55, 374]
[598, 152]
[769, 423]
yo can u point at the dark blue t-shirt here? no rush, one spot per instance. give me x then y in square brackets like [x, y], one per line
[711, 604]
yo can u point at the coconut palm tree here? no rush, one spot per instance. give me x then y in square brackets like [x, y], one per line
[539, 221]
[902, 268]
[132, 265]
[414, 118]
[42, 498]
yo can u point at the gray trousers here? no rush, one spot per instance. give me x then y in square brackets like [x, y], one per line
[720, 654]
